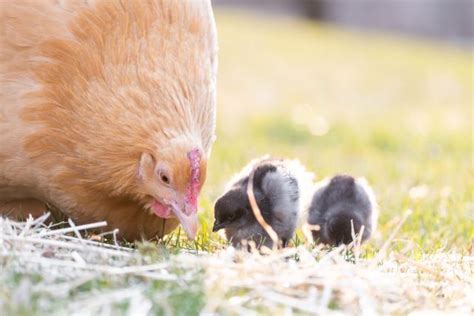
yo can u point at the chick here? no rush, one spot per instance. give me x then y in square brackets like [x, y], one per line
[338, 201]
[279, 186]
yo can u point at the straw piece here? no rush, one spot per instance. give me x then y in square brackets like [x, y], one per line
[258, 214]
[73, 229]
[383, 250]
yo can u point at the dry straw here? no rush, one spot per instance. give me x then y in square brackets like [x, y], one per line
[302, 279]
[258, 214]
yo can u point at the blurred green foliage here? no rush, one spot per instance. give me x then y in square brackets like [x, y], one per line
[396, 111]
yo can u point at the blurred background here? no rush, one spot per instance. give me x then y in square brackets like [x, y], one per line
[380, 88]
[449, 20]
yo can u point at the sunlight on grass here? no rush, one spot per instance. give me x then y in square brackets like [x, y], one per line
[395, 111]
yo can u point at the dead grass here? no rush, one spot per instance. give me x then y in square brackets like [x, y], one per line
[57, 271]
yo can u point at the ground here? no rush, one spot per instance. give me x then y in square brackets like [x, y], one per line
[396, 111]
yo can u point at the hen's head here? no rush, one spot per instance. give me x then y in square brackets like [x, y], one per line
[171, 180]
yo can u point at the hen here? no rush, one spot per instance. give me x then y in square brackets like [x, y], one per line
[107, 110]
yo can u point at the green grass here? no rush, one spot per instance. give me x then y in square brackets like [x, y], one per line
[396, 111]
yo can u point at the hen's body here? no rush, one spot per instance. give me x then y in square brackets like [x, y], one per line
[85, 88]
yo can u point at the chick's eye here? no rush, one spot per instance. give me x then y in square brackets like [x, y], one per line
[237, 214]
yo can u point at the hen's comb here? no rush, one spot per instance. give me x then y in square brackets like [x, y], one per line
[192, 190]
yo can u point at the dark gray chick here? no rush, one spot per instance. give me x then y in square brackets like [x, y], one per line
[278, 188]
[335, 203]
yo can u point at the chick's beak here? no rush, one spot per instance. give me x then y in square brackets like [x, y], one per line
[217, 226]
[187, 216]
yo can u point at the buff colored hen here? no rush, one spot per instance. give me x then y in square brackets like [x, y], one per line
[107, 110]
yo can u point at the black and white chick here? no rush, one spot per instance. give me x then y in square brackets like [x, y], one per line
[282, 189]
[338, 201]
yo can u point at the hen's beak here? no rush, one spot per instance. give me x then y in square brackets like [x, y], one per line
[188, 221]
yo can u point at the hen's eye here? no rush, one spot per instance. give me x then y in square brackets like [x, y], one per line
[164, 178]
[231, 217]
